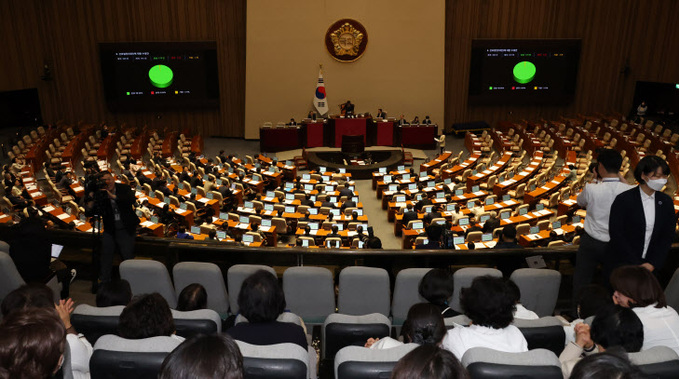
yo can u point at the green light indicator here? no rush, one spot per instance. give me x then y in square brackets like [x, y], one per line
[161, 76]
[490, 88]
[128, 94]
[676, 86]
[524, 72]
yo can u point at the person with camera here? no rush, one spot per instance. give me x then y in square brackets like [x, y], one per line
[114, 202]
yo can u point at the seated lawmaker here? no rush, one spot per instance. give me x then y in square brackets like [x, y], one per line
[434, 236]
[261, 301]
[416, 121]
[508, 238]
[292, 122]
[381, 113]
[402, 121]
[426, 121]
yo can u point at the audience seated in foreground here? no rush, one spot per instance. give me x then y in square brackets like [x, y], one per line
[32, 343]
[261, 300]
[489, 303]
[588, 301]
[192, 297]
[147, 316]
[637, 288]
[424, 325]
[521, 312]
[204, 357]
[429, 362]
[437, 288]
[613, 326]
[606, 365]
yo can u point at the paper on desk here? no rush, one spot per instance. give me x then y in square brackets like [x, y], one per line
[523, 173]
[48, 208]
[147, 224]
[204, 200]
[63, 216]
[490, 244]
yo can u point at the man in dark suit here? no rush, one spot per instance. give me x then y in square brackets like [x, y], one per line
[402, 121]
[334, 232]
[434, 237]
[423, 202]
[346, 192]
[349, 108]
[115, 203]
[409, 215]
[292, 122]
[381, 113]
[307, 201]
[426, 121]
[633, 210]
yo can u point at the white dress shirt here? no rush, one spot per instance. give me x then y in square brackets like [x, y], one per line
[598, 198]
[460, 339]
[81, 352]
[525, 313]
[661, 326]
[648, 203]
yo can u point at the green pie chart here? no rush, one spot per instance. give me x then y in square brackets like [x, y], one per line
[161, 76]
[524, 72]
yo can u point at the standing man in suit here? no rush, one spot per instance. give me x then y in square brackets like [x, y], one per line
[642, 219]
[597, 198]
[381, 113]
[114, 202]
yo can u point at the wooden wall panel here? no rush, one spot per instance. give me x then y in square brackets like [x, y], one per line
[613, 32]
[65, 34]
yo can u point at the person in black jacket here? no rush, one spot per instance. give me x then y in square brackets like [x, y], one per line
[115, 203]
[409, 215]
[642, 219]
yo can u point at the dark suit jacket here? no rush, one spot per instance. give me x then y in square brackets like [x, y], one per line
[124, 200]
[30, 249]
[409, 216]
[382, 115]
[346, 192]
[627, 226]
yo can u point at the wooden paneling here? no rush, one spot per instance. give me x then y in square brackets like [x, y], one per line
[642, 32]
[65, 34]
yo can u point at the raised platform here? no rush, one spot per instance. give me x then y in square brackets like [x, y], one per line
[374, 159]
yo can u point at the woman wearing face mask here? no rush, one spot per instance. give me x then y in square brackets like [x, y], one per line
[642, 219]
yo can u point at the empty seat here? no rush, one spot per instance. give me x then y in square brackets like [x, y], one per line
[543, 333]
[94, 322]
[657, 362]
[406, 292]
[464, 277]
[354, 362]
[148, 276]
[201, 321]
[485, 363]
[234, 278]
[310, 293]
[209, 275]
[340, 330]
[280, 361]
[363, 290]
[539, 289]
[116, 357]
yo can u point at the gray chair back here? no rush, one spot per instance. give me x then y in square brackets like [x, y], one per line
[363, 290]
[340, 330]
[355, 362]
[94, 322]
[280, 361]
[310, 293]
[539, 289]
[201, 321]
[235, 277]
[659, 362]
[210, 276]
[116, 357]
[543, 333]
[148, 276]
[484, 363]
[10, 279]
[406, 293]
[672, 291]
[464, 277]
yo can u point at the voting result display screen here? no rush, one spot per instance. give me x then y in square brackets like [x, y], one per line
[523, 72]
[147, 76]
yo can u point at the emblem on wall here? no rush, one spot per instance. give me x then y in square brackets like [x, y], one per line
[346, 40]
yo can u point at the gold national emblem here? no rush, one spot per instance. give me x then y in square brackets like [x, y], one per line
[346, 40]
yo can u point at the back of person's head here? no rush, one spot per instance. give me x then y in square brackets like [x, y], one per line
[488, 302]
[261, 298]
[434, 233]
[514, 291]
[650, 164]
[491, 224]
[429, 362]
[436, 287]
[374, 243]
[618, 326]
[192, 297]
[424, 325]
[115, 292]
[471, 245]
[146, 316]
[335, 229]
[639, 284]
[181, 229]
[509, 233]
[32, 343]
[605, 365]
[590, 299]
[204, 357]
[34, 295]
[610, 159]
